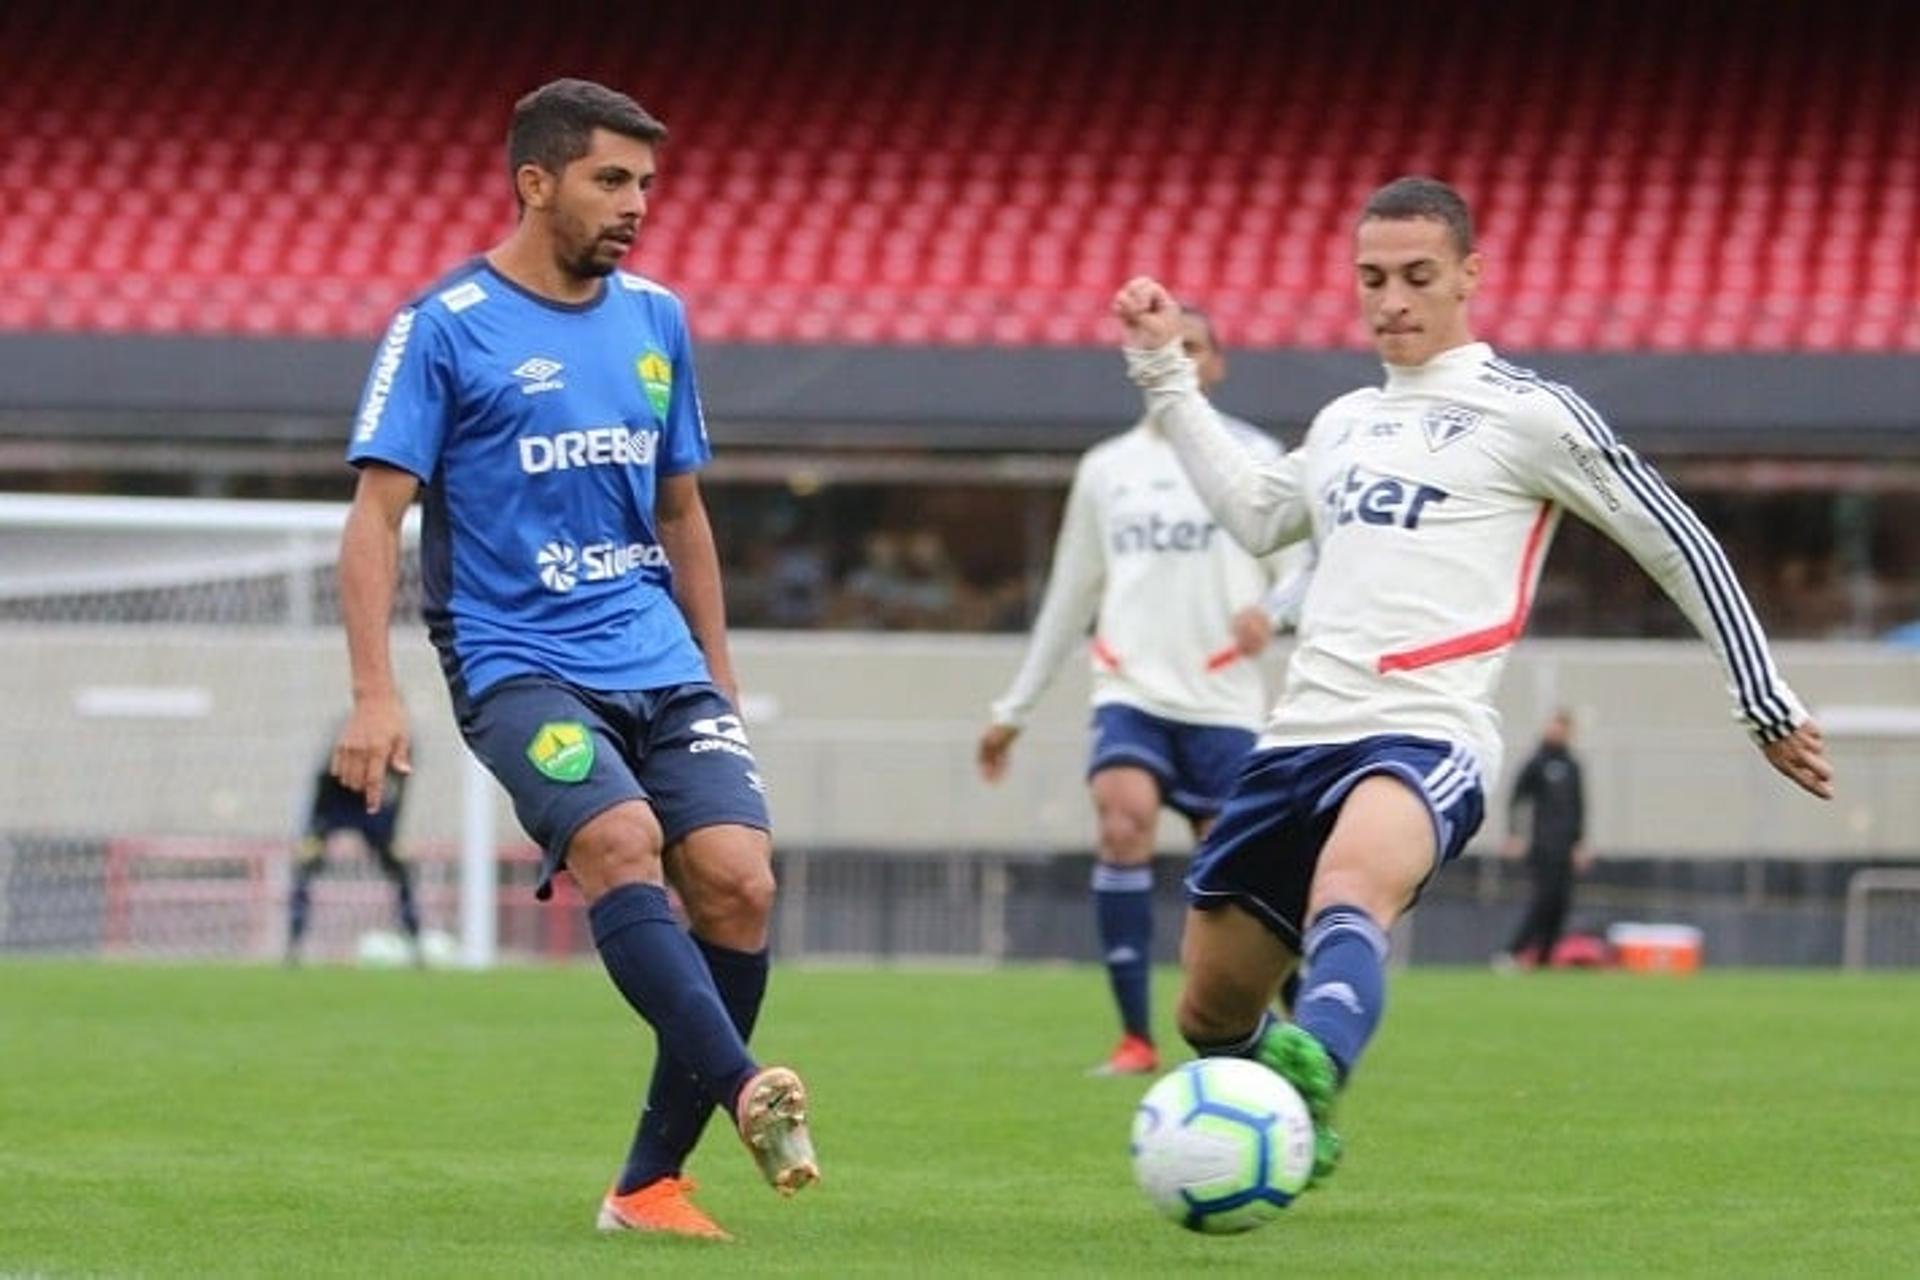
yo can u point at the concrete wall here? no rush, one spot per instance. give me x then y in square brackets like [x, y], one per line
[866, 741]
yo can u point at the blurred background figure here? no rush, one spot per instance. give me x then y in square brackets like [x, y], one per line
[1179, 614]
[1551, 789]
[338, 824]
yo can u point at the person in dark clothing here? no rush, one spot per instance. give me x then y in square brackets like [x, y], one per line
[337, 820]
[1551, 788]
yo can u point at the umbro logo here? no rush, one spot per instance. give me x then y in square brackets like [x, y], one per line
[539, 374]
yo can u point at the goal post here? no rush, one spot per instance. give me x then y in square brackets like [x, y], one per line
[171, 668]
[1882, 922]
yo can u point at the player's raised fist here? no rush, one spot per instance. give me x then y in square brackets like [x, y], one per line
[1148, 312]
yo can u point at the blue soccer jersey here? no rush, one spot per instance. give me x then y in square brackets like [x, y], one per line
[539, 431]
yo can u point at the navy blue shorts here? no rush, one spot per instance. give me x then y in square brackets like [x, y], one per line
[337, 809]
[1195, 764]
[566, 755]
[1262, 852]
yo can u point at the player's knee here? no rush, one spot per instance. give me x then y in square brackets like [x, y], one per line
[732, 910]
[737, 895]
[1126, 835]
[621, 846]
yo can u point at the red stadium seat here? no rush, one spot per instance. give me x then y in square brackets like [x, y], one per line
[986, 182]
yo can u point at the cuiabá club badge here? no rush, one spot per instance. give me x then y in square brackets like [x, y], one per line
[562, 750]
[656, 375]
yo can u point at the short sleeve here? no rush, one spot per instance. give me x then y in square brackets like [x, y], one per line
[685, 446]
[406, 405]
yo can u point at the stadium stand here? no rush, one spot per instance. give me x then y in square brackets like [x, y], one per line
[1656, 177]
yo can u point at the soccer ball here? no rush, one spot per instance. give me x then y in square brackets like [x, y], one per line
[1222, 1144]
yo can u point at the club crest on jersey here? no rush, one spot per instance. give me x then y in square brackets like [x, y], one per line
[656, 376]
[1448, 422]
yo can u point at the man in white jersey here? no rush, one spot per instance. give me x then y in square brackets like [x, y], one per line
[1431, 500]
[1179, 613]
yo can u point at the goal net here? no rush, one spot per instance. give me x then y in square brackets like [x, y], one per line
[1882, 929]
[172, 673]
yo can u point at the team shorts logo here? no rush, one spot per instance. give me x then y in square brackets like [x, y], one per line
[559, 567]
[720, 733]
[656, 376]
[1448, 422]
[562, 750]
[537, 375]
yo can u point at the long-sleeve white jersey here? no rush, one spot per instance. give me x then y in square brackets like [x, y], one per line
[1139, 560]
[1432, 501]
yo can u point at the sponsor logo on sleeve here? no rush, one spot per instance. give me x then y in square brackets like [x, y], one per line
[386, 366]
[1590, 468]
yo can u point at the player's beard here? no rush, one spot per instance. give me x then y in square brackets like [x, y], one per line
[590, 262]
[591, 267]
[590, 254]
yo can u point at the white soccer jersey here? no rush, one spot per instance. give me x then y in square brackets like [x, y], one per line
[1432, 501]
[1141, 562]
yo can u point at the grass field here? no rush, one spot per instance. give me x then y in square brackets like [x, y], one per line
[234, 1121]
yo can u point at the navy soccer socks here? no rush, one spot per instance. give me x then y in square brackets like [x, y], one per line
[657, 967]
[404, 904]
[1344, 989]
[677, 1107]
[1123, 907]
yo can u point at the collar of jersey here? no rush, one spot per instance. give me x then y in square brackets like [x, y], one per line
[1451, 358]
[552, 304]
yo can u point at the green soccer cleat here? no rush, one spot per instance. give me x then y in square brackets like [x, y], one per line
[1303, 1062]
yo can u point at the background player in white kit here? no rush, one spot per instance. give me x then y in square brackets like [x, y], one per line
[1431, 500]
[1179, 612]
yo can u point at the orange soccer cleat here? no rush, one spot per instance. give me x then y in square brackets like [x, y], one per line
[661, 1206]
[1133, 1056]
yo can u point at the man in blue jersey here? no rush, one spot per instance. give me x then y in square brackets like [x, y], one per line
[543, 404]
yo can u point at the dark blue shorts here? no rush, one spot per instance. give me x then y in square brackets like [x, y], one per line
[335, 808]
[566, 755]
[1195, 764]
[1262, 852]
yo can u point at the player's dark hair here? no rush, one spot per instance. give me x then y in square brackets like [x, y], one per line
[553, 125]
[1418, 197]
